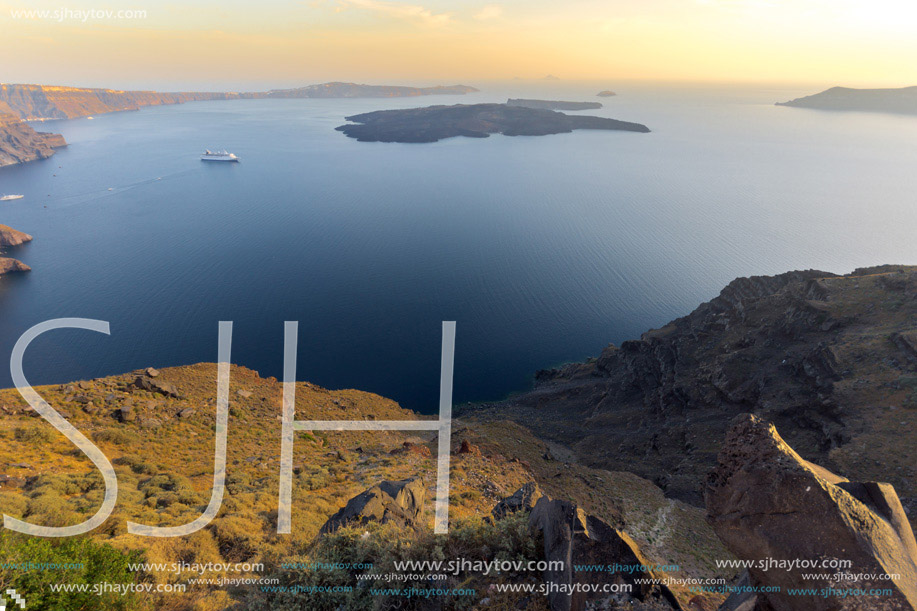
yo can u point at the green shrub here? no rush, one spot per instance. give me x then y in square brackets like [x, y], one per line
[165, 489]
[119, 437]
[237, 482]
[136, 464]
[32, 434]
[313, 478]
[85, 562]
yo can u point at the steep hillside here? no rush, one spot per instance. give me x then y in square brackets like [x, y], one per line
[19, 142]
[831, 360]
[37, 102]
[158, 432]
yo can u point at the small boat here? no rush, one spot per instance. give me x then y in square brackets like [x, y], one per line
[223, 155]
[8, 198]
[90, 118]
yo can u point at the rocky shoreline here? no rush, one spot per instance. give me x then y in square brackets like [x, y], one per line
[12, 237]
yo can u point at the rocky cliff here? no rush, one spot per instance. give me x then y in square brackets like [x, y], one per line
[36, 102]
[12, 237]
[766, 502]
[19, 142]
[831, 360]
[12, 266]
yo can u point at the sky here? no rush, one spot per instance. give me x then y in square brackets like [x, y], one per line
[236, 45]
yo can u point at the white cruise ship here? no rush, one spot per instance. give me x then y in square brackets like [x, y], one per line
[7, 198]
[218, 156]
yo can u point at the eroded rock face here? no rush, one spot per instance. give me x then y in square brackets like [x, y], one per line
[816, 354]
[573, 537]
[11, 237]
[765, 502]
[11, 266]
[399, 502]
[20, 143]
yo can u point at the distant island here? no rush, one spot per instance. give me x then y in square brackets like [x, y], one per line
[12, 266]
[900, 101]
[606, 94]
[20, 143]
[434, 123]
[553, 104]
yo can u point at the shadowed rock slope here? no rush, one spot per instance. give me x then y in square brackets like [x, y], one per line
[831, 360]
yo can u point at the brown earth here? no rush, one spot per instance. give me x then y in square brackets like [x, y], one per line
[158, 433]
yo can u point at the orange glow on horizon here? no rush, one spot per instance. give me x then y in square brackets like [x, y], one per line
[838, 42]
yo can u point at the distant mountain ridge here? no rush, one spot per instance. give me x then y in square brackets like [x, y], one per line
[902, 101]
[353, 90]
[40, 102]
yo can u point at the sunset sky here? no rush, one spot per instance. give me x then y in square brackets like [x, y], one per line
[233, 44]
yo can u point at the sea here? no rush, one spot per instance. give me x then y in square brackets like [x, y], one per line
[543, 250]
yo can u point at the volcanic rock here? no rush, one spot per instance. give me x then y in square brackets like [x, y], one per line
[523, 499]
[573, 537]
[11, 266]
[398, 502]
[765, 502]
[12, 237]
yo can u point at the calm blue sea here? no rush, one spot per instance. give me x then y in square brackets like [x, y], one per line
[543, 249]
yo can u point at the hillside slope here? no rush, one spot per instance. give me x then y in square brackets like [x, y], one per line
[831, 360]
[162, 448]
[19, 142]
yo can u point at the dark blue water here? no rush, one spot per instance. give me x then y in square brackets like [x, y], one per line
[542, 249]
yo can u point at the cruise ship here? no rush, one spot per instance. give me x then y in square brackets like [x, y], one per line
[218, 156]
[7, 198]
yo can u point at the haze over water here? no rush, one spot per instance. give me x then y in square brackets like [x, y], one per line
[543, 249]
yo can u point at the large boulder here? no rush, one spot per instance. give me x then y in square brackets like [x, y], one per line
[767, 504]
[575, 538]
[157, 386]
[523, 499]
[398, 502]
